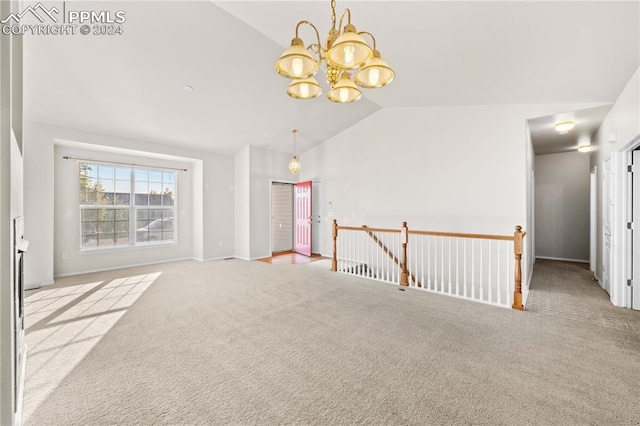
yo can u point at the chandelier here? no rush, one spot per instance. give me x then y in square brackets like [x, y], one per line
[345, 51]
[294, 163]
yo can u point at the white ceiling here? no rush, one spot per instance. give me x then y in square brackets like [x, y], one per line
[548, 141]
[444, 53]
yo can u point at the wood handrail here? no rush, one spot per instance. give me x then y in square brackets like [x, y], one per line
[358, 228]
[433, 233]
[461, 235]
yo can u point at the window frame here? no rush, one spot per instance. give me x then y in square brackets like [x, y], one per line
[132, 209]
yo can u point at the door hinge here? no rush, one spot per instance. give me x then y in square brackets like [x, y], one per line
[630, 168]
[629, 283]
[630, 225]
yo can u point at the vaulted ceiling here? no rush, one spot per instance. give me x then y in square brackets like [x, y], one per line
[444, 53]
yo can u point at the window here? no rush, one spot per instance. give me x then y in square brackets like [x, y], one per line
[122, 205]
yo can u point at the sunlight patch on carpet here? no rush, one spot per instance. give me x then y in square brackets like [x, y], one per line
[64, 324]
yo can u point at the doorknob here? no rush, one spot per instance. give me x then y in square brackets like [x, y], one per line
[310, 219]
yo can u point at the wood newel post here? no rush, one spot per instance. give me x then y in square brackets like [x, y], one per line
[334, 233]
[404, 234]
[517, 250]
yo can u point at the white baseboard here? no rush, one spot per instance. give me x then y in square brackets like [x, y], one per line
[242, 258]
[563, 259]
[91, 271]
[248, 259]
[35, 286]
[213, 259]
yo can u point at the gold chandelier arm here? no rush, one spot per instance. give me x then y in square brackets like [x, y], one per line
[315, 49]
[348, 13]
[317, 36]
[370, 35]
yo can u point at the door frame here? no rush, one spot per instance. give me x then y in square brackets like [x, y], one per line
[593, 219]
[626, 263]
[608, 214]
[320, 199]
[622, 262]
[634, 203]
[271, 182]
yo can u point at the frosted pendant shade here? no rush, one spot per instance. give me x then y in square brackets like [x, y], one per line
[376, 73]
[349, 51]
[307, 88]
[296, 62]
[294, 165]
[345, 90]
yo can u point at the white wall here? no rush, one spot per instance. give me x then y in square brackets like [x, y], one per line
[255, 168]
[619, 129]
[562, 206]
[452, 169]
[242, 203]
[197, 219]
[218, 205]
[215, 193]
[265, 166]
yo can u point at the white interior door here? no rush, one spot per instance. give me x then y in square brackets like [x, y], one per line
[635, 249]
[607, 228]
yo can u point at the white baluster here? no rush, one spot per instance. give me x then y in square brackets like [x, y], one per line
[473, 267]
[481, 276]
[422, 262]
[490, 283]
[442, 265]
[498, 273]
[449, 268]
[464, 271]
[457, 266]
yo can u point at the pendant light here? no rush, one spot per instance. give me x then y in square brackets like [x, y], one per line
[294, 163]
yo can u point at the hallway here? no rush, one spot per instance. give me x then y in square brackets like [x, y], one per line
[568, 290]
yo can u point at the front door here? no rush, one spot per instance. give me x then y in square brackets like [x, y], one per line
[302, 212]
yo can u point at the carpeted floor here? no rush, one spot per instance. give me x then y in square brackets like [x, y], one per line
[235, 342]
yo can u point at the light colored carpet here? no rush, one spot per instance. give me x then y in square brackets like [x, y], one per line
[235, 342]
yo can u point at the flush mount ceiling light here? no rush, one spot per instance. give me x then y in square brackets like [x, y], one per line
[564, 126]
[345, 50]
[584, 148]
[294, 163]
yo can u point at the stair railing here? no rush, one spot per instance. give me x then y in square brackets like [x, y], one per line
[471, 266]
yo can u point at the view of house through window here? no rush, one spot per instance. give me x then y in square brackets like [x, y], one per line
[122, 205]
